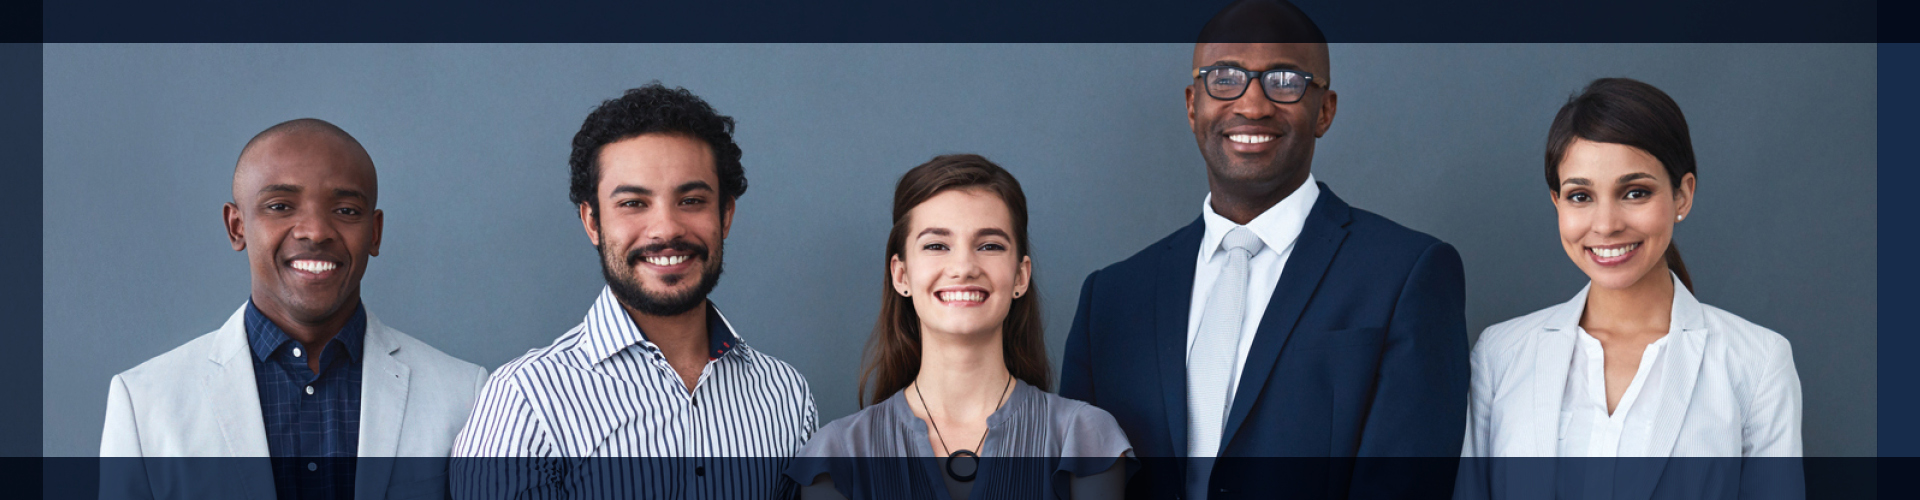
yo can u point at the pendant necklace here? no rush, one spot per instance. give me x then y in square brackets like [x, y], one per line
[953, 458]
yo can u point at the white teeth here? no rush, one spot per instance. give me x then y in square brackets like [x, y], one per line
[963, 296]
[1608, 253]
[314, 266]
[1249, 138]
[667, 260]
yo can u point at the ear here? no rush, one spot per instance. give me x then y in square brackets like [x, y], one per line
[1683, 197]
[1329, 106]
[897, 269]
[236, 228]
[1023, 277]
[1190, 118]
[379, 225]
[726, 218]
[587, 220]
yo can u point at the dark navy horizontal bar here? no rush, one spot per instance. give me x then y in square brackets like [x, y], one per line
[946, 21]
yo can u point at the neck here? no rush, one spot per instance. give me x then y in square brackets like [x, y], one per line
[964, 376]
[315, 334]
[1643, 307]
[1241, 202]
[680, 336]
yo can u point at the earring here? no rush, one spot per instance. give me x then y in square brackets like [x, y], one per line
[1680, 218]
[1016, 295]
[904, 293]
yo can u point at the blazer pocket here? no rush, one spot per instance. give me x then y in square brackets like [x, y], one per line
[1338, 339]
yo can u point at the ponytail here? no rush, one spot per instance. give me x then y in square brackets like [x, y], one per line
[1679, 268]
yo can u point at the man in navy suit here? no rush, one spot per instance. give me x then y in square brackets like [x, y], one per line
[1256, 351]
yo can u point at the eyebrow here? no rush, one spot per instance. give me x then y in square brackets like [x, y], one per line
[629, 188]
[1635, 175]
[936, 231]
[349, 193]
[693, 186]
[992, 231]
[280, 188]
[1577, 181]
[1238, 64]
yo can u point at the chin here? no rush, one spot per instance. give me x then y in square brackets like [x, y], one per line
[1616, 279]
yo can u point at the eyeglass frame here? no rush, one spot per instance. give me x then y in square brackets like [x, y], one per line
[1258, 76]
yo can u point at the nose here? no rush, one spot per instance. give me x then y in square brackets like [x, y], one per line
[665, 225]
[1254, 104]
[313, 226]
[1609, 219]
[964, 266]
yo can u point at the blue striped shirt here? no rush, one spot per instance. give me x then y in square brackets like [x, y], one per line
[603, 391]
[312, 419]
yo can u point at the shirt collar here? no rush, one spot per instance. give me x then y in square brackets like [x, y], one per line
[611, 330]
[1277, 227]
[265, 337]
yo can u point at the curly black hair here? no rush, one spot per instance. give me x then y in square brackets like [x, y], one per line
[654, 108]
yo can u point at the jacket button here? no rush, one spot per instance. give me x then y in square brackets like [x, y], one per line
[699, 471]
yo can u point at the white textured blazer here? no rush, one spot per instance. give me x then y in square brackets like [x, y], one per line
[200, 400]
[1731, 389]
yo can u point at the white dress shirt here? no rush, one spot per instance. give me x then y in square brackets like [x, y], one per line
[1586, 429]
[1277, 228]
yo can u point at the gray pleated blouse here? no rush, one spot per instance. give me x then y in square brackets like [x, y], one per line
[1035, 443]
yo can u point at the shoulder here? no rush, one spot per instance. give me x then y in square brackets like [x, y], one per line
[773, 372]
[1374, 234]
[836, 439]
[1747, 340]
[1146, 262]
[1080, 417]
[538, 360]
[419, 355]
[168, 368]
[1504, 336]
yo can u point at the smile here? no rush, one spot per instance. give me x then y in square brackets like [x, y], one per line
[962, 297]
[1250, 138]
[313, 266]
[667, 260]
[1613, 254]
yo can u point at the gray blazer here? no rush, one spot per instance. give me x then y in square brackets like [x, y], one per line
[200, 400]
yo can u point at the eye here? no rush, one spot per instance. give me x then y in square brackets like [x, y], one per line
[934, 247]
[277, 206]
[992, 247]
[630, 204]
[692, 201]
[347, 211]
[1579, 197]
[1638, 193]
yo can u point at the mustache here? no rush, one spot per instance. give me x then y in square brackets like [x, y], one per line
[692, 249]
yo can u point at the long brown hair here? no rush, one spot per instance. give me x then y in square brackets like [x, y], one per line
[892, 358]
[1627, 112]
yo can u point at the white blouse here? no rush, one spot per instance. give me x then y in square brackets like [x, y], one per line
[1586, 429]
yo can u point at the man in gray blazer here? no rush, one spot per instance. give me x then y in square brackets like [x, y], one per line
[304, 392]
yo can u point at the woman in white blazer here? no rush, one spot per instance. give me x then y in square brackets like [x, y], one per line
[1633, 365]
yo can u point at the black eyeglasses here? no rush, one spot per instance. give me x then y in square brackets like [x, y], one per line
[1284, 86]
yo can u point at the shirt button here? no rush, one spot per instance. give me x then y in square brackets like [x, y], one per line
[312, 466]
[296, 352]
[309, 393]
[699, 471]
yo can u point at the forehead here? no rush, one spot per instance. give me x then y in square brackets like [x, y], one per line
[656, 161]
[963, 211]
[304, 160]
[1603, 162]
[1260, 56]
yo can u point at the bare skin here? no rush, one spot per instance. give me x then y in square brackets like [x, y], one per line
[1247, 179]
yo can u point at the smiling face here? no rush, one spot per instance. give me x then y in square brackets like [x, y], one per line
[959, 263]
[304, 212]
[1617, 207]
[1253, 140]
[660, 226]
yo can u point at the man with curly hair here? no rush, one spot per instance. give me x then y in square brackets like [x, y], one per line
[653, 395]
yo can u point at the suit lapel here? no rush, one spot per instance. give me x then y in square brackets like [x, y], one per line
[1174, 298]
[383, 405]
[1313, 251]
[234, 398]
[1552, 358]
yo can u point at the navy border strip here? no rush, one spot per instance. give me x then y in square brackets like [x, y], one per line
[946, 21]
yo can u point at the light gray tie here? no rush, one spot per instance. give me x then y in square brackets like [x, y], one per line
[1210, 359]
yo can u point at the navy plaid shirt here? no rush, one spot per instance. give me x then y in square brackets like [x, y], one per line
[313, 420]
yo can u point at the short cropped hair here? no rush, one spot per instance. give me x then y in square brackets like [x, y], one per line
[653, 109]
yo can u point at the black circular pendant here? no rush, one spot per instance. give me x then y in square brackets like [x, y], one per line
[972, 469]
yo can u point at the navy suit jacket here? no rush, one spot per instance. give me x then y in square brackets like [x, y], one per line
[1362, 352]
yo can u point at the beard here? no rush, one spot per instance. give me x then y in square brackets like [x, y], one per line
[625, 283]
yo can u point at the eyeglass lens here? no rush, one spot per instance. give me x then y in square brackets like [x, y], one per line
[1227, 84]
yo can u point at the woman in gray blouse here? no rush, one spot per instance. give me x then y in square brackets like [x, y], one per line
[957, 365]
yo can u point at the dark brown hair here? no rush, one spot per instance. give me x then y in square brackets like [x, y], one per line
[892, 359]
[1629, 113]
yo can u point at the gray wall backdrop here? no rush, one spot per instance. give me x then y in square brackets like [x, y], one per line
[484, 258]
